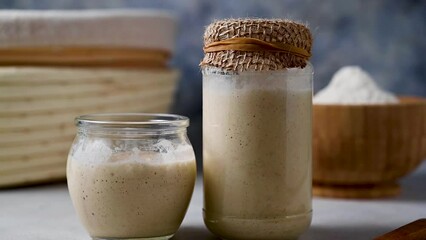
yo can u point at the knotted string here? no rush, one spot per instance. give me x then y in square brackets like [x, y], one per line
[254, 45]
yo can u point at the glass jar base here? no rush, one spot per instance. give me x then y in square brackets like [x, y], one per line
[135, 238]
[283, 228]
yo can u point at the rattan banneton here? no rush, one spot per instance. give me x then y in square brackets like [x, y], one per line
[268, 30]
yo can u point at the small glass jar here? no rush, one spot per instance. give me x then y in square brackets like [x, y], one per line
[131, 176]
[257, 145]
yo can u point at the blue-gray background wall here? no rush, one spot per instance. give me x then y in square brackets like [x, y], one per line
[385, 37]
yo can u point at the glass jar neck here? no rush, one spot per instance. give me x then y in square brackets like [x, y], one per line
[296, 71]
[128, 133]
[131, 125]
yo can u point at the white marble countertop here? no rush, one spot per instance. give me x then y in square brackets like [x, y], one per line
[45, 212]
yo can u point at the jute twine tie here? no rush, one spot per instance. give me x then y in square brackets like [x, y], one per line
[256, 44]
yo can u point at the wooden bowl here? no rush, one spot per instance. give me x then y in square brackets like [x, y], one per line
[360, 151]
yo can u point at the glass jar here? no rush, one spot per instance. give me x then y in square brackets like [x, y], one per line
[131, 176]
[257, 134]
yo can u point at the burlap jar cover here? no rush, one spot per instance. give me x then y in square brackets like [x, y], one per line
[256, 44]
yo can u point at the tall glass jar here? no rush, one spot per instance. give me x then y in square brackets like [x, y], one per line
[131, 176]
[257, 132]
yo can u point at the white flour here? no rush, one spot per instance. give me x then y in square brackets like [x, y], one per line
[352, 85]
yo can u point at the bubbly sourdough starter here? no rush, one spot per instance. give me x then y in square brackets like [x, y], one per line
[131, 194]
[257, 157]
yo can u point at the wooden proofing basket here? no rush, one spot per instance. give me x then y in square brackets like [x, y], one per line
[56, 65]
[38, 106]
[359, 151]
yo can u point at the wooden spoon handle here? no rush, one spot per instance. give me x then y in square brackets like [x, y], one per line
[413, 231]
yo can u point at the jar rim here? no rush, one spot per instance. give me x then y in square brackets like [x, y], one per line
[295, 71]
[132, 120]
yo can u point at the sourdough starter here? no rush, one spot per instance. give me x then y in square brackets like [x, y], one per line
[257, 155]
[132, 194]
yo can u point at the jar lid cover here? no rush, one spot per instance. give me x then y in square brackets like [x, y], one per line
[256, 44]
